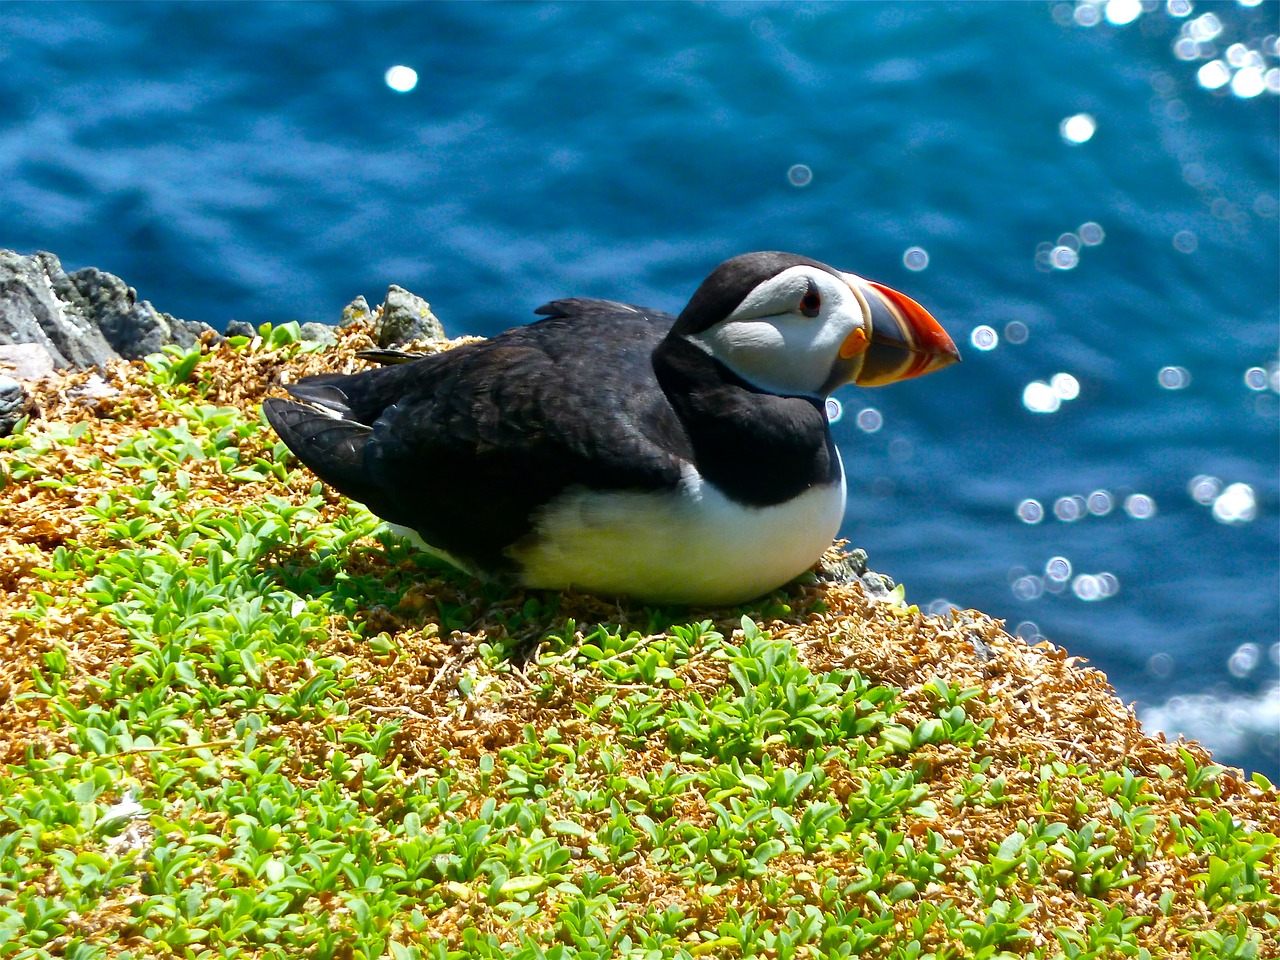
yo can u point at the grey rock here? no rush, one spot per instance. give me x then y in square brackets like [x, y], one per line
[850, 567]
[406, 317]
[14, 404]
[26, 361]
[241, 328]
[877, 585]
[318, 332]
[35, 308]
[984, 651]
[133, 327]
[354, 312]
[85, 318]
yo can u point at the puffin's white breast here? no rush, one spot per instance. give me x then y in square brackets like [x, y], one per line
[691, 544]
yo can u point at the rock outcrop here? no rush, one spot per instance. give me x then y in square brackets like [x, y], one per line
[84, 318]
[54, 320]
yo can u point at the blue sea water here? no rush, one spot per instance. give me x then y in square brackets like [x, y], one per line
[250, 161]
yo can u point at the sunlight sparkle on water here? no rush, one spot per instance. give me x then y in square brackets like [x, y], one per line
[1160, 666]
[1120, 12]
[799, 175]
[1063, 258]
[1058, 568]
[1204, 27]
[1027, 588]
[1070, 509]
[869, 420]
[1236, 505]
[984, 337]
[1204, 489]
[1213, 75]
[1087, 14]
[1100, 502]
[1184, 241]
[1248, 82]
[1030, 511]
[835, 410]
[1039, 397]
[1095, 586]
[1139, 506]
[915, 258]
[401, 79]
[1065, 386]
[1015, 331]
[1174, 378]
[1078, 128]
[1244, 660]
[1091, 234]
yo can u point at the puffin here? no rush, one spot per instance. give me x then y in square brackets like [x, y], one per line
[618, 450]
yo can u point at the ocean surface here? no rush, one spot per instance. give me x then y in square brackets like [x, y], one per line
[1084, 194]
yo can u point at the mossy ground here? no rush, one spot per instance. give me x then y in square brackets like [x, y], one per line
[239, 721]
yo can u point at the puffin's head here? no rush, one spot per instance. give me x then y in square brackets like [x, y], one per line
[797, 327]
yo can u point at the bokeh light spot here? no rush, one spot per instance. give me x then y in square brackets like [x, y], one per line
[835, 410]
[1100, 502]
[1204, 489]
[1088, 14]
[1039, 397]
[869, 420]
[1079, 128]
[1248, 82]
[1120, 12]
[1205, 27]
[1237, 504]
[1016, 331]
[1174, 378]
[1065, 386]
[1213, 75]
[1063, 258]
[1086, 587]
[1070, 509]
[1139, 506]
[1027, 588]
[1030, 511]
[984, 337]
[1091, 234]
[799, 175]
[915, 258]
[1160, 666]
[401, 79]
[1058, 568]
[1244, 660]
[1184, 241]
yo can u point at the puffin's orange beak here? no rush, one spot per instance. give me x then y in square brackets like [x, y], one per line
[905, 341]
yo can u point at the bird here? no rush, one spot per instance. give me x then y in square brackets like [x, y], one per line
[618, 450]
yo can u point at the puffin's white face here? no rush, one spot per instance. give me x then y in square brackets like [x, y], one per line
[789, 333]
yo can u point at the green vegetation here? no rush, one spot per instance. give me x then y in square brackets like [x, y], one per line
[239, 720]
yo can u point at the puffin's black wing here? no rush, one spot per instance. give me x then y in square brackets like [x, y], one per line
[464, 446]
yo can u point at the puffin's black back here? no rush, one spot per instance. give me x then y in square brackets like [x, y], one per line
[465, 445]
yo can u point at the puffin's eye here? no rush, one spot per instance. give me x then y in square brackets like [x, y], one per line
[811, 302]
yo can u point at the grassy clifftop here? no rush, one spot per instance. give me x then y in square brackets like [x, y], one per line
[236, 720]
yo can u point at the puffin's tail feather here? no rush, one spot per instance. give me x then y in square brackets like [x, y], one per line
[332, 447]
[324, 390]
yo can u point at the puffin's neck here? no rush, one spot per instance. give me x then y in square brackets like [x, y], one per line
[758, 448]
